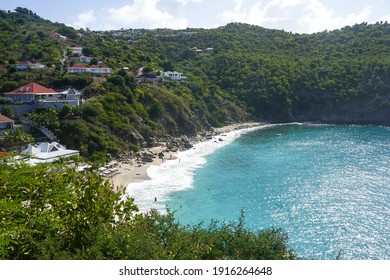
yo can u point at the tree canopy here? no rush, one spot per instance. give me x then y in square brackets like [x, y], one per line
[52, 212]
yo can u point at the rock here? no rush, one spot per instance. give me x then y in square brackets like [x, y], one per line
[147, 159]
[188, 145]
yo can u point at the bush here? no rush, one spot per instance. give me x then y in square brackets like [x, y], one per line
[63, 214]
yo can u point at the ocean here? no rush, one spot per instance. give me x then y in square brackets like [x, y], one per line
[327, 186]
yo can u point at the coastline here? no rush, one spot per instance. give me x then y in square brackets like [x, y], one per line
[135, 170]
[151, 184]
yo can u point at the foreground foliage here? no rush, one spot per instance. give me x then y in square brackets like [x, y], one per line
[52, 212]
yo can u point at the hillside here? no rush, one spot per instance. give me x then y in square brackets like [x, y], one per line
[234, 73]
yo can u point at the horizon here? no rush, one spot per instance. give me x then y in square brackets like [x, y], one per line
[296, 16]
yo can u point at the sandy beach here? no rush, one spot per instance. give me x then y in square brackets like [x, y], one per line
[136, 170]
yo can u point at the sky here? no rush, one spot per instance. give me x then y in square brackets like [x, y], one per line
[298, 16]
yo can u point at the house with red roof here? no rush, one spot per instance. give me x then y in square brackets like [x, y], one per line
[6, 123]
[93, 69]
[77, 69]
[43, 97]
[31, 92]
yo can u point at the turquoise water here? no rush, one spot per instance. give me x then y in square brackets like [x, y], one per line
[328, 187]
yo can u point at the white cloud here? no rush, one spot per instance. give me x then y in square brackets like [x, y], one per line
[318, 17]
[84, 19]
[385, 18]
[145, 14]
[185, 2]
[301, 15]
[234, 15]
[255, 14]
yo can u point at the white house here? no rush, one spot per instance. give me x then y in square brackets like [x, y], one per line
[85, 59]
[77, 68]
[72, 94]
[94, 69]
[209, 51]
[25, 65]
[174, 76]
[76, 50]
[100, 70]
[47, 152]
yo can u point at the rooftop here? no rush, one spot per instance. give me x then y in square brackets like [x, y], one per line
[48, 152]
[4, 119]
[31, 88]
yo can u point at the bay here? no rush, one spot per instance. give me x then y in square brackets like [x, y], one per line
[327, 186]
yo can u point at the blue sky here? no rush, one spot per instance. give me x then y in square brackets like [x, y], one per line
[302, 16]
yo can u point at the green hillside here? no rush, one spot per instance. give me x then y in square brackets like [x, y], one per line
[234, 73]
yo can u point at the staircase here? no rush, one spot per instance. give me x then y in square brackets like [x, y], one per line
[48, 133]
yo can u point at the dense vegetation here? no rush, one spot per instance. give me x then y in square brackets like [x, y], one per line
[52, 212]
[251, 72]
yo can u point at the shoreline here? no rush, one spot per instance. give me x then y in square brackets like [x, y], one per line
[135, 170]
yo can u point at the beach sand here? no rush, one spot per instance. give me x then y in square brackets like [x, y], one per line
[137, 172]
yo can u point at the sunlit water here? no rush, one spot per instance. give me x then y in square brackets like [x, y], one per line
[328, 187]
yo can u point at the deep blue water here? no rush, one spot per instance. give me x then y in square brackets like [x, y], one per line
[328, 187]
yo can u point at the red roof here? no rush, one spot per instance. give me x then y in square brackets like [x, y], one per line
[4, 119]
[82, 66]
[25, 62]
[31, 88]
[79, 66]
[2, 154]
[96, 66]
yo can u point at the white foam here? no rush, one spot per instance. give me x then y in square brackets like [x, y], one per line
[176, 175]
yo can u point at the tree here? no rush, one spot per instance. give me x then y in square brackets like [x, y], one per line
[51, 211]
[116, 80]
[46, 117]
[88, 51]
[8, 112]
[17, 136]
[93, 61]
[55, 56]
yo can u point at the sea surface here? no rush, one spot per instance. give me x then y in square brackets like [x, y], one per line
[327, 186]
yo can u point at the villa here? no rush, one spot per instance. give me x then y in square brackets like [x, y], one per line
[47, 152]
[174, 76]
[32, 92]
[43, 97]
